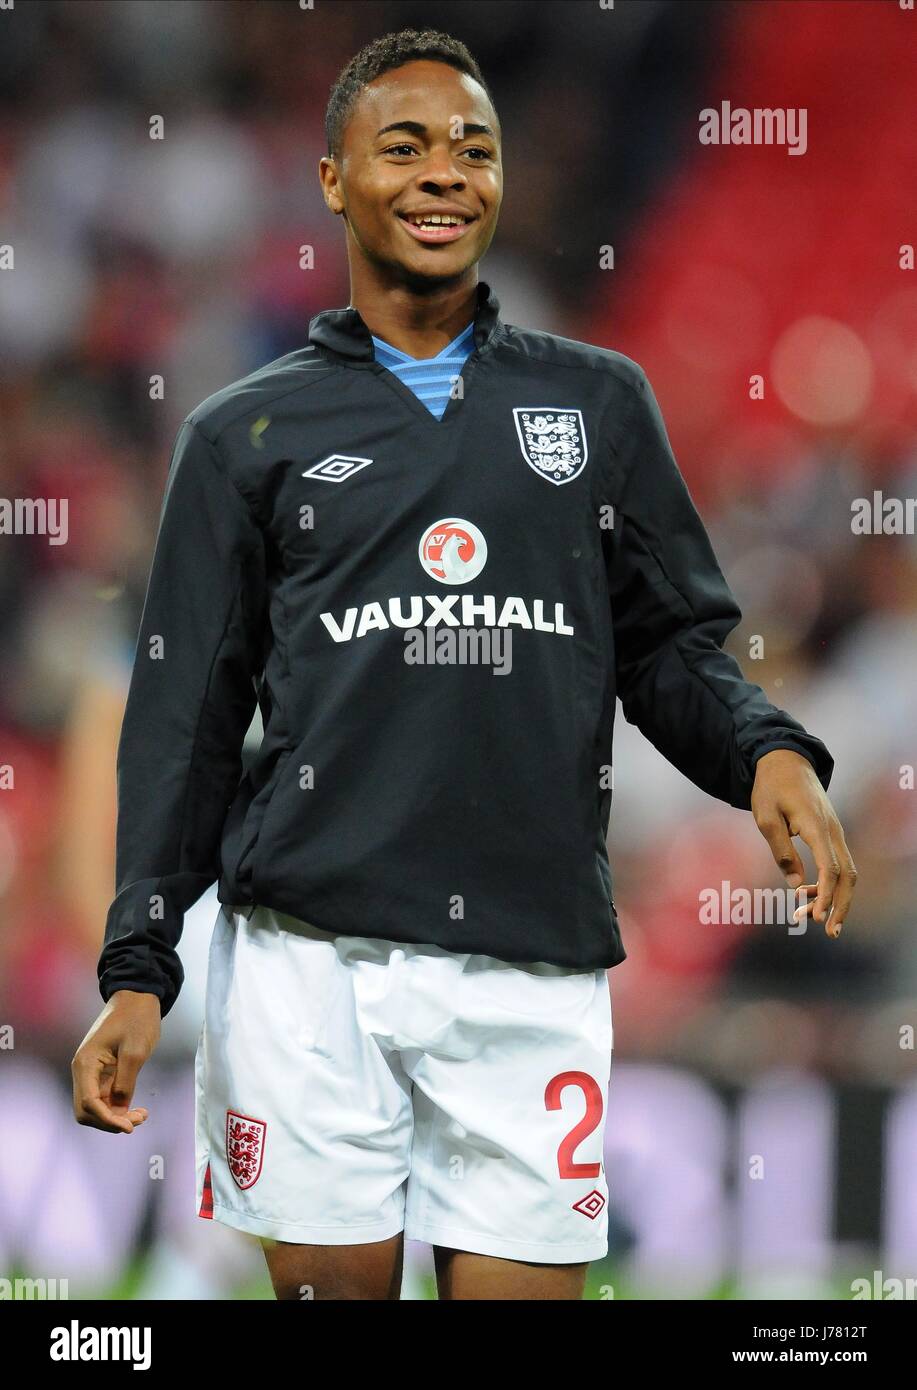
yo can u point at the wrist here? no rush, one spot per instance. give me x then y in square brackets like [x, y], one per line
[782, 757]
[131, 998]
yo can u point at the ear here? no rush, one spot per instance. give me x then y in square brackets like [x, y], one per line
[330, 181]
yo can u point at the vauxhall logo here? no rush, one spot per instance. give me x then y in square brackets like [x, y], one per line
[451, 551]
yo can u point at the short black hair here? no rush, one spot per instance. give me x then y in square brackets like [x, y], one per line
[381, 55]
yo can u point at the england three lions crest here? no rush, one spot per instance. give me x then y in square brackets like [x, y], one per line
[553, 441]
[244, 1148]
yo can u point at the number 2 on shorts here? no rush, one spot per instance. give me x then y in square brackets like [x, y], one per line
[566, 1167]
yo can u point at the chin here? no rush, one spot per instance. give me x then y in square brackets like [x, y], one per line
[430, 270]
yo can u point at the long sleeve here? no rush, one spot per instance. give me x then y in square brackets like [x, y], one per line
[672, 611]
[192, 694]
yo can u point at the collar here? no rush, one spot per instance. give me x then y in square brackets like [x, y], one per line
[343, 331]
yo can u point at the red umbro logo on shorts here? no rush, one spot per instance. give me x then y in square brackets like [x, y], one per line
[244, 1148]
[590, 1205]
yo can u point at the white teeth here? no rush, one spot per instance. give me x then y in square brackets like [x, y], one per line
[438, 220]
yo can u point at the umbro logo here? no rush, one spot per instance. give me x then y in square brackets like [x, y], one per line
[590, 1205]
[336, 467]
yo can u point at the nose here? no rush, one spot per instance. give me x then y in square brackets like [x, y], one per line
[441, 171]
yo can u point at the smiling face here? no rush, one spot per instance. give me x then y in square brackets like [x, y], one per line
[422, 142]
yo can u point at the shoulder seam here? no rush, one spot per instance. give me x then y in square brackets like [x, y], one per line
[599, 366]
[300, 386]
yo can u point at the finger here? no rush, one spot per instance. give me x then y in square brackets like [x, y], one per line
[137, 1114]
[776, 832]
[843, 893]
[86, 1068]
[816, 835]
[803, 892]
[93, 1108]
[125, 1078]
[98, 1115]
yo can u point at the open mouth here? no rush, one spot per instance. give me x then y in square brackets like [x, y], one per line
[436, 227]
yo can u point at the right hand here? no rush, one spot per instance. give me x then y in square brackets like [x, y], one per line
[107, 1062]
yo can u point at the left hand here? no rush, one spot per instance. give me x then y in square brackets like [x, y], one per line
[788, 799]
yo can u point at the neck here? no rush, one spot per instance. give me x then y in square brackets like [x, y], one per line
[418, 321]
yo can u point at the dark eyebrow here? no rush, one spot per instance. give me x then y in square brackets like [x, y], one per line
[418, 128]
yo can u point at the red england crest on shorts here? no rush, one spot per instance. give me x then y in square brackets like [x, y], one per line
[244, 1148]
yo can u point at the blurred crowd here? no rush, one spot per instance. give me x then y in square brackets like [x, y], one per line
[149, 273]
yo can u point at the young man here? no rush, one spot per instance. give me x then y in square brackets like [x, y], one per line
[408, 1025]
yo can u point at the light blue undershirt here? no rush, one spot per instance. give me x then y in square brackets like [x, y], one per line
[430, 378]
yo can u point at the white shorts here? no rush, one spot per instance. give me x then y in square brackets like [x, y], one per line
[348, 1088]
